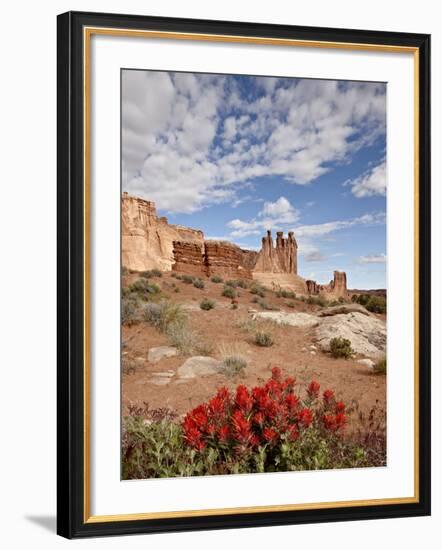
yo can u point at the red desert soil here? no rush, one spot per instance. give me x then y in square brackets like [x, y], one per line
[219, 327]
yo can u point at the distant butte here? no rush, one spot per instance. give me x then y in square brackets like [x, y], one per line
[149, 241]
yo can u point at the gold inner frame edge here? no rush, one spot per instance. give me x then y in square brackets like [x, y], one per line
[87, 33]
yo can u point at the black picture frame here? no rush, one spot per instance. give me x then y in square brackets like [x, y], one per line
[72, 521]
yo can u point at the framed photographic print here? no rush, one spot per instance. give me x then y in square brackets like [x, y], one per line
[243, 274]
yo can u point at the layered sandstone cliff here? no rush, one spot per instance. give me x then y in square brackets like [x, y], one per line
[146, 239]
[210, 258]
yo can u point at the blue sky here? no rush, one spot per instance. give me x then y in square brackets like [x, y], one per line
[236, 155]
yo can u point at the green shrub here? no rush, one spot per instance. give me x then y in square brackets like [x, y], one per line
[381, 366]
[216, 279]
[341, 347]
[163, 314]
[317, 301]
[255, 300]
[263, 339]
[207, 304]
[176, 289]
[188, 279]
[229, 292]
[124, 271]
[175, 275]
[234, 306]
[377, 304]
[198, 283]
[290, 304]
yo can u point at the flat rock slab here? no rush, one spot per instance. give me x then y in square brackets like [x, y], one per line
[367, 363]
[156, 354]
[199, 366]
[343, 309]
[303, 320]
[367, 334]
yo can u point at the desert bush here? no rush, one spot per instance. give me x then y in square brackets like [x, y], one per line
[216, 279]
[207, 303]
[258, 290]
[229, 292]
[176, 289]
[124, 271]
[255, 300]
[334, 303]
[290, 304]
[234, 365]
[266, 306]
[151, 273]
[163, 314]
[341, 347]
[281, 293]
[129, 309]
[175, 275]
[144, 289]
[263, 339]
[381, 366]
[188, 279]
[241, 283]
[198, 283]
[186, 340]
[234, 306]
[342, 300]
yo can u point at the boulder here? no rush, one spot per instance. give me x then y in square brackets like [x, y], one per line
[302, 320]
[367, 334]
[199, 366]
[156, 354]
[367, 363]
[343, 309]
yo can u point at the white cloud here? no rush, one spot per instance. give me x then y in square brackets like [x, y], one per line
[319, 230]
[315, 256]
[188, 140]
[373, 259]
[373, 182]
[274, 215]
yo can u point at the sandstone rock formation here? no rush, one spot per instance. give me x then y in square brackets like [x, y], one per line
[146, 238]
[281, 259]
[300, 319]
[149, 241]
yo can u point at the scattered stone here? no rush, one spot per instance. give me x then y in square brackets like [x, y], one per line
[166, 374]
[159, 380]
[313, 353]
[302, 320]
[199, 366]
[367, 363]
[304, 349]
[343, 310]
[156, 354]
[367, 334]
[313, 347]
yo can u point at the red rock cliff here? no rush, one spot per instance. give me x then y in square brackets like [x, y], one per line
[280, 259]
[146, 239]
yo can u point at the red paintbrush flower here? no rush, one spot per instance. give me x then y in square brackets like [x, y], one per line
[224, 433]
[293, 433]
[340, 407]
[328, 395]
[305, 417]
[313, 389]
[340, 420]
[270, 435]
[241, 426]
[292, 402]
[243, 399]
